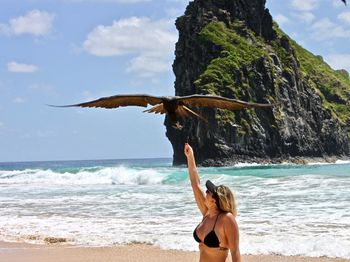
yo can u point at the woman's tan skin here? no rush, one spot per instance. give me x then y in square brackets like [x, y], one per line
[226, 227]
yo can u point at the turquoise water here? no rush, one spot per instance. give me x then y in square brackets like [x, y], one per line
[283, 209]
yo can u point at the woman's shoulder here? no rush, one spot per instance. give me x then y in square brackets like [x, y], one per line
[229, 223]
[227, 215]
[228, 218]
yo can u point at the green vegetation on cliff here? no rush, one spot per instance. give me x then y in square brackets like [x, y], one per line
[238, 48]
[235, 52]
[332, 85]
[224, 76]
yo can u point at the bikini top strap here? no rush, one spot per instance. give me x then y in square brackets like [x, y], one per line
[216, 220]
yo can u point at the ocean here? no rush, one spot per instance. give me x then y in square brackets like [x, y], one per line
[282, 209]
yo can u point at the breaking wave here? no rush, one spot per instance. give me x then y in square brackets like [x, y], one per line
[111, 175]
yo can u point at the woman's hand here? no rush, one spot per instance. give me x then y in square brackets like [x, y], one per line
[199, 194]
[188, 151]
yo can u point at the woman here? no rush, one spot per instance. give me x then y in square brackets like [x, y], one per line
[218, 231]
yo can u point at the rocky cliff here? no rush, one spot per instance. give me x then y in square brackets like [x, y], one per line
[234, 49]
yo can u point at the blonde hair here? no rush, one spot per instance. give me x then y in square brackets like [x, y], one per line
[227, 200]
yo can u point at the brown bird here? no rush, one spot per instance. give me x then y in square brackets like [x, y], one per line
[173, 106]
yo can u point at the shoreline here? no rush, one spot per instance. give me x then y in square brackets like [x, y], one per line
[298, 160]
[15, 252]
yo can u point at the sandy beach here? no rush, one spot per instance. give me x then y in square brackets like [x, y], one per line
[17, 252]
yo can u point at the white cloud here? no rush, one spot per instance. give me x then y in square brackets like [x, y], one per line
[15, 67]
[325, 29]
[345, 17]
[304, 5]
[305, 17]
[149, 64]
[151, 42]
[35, 22]
[281, 19]
[18, 100]
[339, 61]
[132, 35]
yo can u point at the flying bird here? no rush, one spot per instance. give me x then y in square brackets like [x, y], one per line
[174, 106]
[344, 1]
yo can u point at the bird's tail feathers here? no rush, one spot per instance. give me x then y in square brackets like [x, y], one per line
[157, 109]
[186, 109]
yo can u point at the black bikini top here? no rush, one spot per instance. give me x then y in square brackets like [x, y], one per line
[211, 239]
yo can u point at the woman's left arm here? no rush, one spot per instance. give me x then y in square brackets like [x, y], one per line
[232, 234]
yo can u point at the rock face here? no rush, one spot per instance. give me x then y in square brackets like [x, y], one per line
[234, 49]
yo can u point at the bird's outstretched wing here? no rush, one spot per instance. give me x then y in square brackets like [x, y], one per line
[218, 102]
[120, 100]
[344, 1]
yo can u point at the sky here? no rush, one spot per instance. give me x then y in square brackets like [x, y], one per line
[70, 51]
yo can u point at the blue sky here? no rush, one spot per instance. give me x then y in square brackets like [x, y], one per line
[70, 51]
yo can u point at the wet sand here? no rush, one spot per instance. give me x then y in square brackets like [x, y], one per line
[15, 252]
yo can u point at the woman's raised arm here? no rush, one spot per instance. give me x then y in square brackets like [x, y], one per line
[198, 192]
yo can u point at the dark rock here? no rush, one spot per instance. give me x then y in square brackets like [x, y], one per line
[55, 240]
[299, 127]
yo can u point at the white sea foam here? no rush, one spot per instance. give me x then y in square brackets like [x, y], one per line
[112, 175]
[337, 162]
[342, 162]
[295, 245]
[243, 164]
